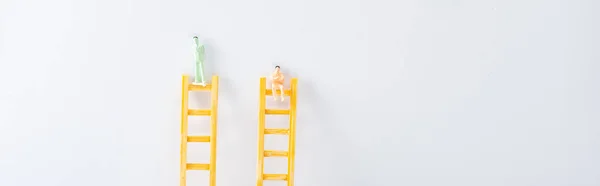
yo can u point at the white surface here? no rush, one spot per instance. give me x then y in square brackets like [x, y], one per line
[415, 93]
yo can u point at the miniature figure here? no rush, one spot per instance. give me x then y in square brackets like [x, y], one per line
[277, 82]
[199, 55]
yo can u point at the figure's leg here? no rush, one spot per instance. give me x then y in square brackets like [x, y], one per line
[197, 77]
[282, 92]
[200, 73]
[200, 79]
[273, 86]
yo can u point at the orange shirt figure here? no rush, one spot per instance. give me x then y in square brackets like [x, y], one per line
[277, 81]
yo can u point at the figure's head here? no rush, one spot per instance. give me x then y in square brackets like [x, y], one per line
[277, 68]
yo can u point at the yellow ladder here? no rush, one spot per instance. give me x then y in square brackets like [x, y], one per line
[185, 138]
[291, 132]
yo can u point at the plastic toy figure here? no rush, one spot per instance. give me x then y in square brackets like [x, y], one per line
[277, 80]
[199, 55]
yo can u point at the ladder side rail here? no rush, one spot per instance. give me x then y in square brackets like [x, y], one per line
[261, 132]
[292, 133]
[184, 130]
[213, 128]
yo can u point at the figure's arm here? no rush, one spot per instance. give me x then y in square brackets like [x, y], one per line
[278, 77]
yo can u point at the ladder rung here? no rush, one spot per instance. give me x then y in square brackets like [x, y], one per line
[275, 153]
[277, 131]
[274, 176]
[199, 112]
[197, 166]
[286, 92]
[277, 111]
[199, 87]
[198, 138]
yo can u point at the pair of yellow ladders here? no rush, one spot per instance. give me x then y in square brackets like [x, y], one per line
[291, 132]
[263, 111]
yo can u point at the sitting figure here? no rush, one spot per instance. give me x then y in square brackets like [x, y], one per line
[277, 81]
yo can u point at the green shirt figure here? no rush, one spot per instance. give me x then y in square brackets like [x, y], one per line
[199, 55]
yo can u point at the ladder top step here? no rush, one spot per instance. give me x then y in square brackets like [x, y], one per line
[194, 87]
[275, 177]
[275, 153]
[277, 131]
[197, 166]
[198, 138]
[277, 111]
[269, 92]
[199, 112]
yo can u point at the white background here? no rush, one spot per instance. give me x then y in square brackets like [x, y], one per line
[407, 92]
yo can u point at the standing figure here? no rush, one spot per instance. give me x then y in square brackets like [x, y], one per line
[277, 80]
[199, 55]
